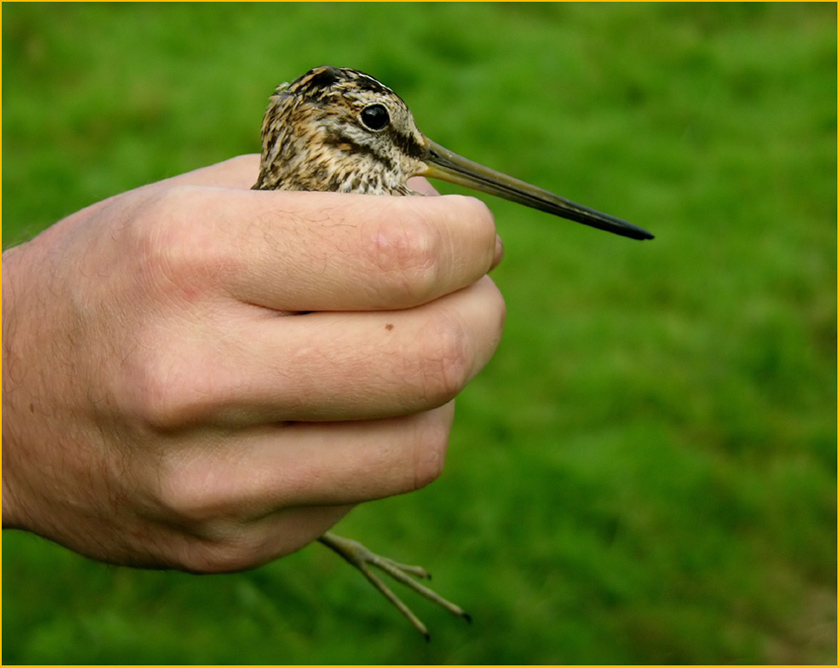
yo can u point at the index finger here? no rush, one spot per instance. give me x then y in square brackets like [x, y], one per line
[312, 251]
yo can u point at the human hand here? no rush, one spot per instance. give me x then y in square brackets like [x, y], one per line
[205, 377]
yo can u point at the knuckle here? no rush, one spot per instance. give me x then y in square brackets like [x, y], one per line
[429, 452]
[163, 388]
[446, 359]
[187, 497]
[176, 245]
[407, 255]
[162, 231]
[196, 495]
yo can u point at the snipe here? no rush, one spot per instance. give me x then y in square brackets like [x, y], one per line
[337, 129]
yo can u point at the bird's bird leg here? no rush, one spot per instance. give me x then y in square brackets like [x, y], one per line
[362, 558]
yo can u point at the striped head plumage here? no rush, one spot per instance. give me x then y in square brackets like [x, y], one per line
[338, 129]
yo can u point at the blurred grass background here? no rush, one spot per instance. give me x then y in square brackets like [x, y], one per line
[646, 472]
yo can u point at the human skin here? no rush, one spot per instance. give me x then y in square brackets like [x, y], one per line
[205, 377]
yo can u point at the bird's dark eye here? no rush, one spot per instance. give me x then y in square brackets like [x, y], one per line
[375, 117]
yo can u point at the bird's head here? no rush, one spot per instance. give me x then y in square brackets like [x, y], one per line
[338, 129]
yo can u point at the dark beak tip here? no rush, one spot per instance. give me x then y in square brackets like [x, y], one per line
[443, 164]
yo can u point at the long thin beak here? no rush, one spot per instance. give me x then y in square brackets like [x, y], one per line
[444, 164]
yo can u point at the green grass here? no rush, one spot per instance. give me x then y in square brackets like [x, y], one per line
[646, 472]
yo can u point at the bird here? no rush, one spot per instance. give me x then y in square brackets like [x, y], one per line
[336, 129]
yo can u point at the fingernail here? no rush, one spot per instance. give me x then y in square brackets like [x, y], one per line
[500, 252]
